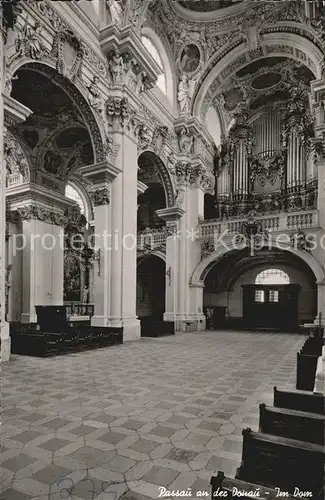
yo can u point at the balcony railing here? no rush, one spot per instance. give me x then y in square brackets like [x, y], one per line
[152, 239]
[270, 223]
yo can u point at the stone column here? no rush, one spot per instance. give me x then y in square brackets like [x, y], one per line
[38, 247]
[101, 176]
[172, 217]
[186, 301]
[124, 221]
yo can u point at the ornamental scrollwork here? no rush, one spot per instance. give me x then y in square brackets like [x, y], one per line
[267, 167]
[100, 197]
[300, 241]
[207, 248]
[297, 118]
[67, 41]
[251, 233]
[16, 165]
[28, 212]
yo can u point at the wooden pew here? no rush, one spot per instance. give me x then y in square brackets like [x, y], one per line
[306, 371]
[36, 343]
[299, 400]
[278, 462]
[292, 424]
[226, 487]
[313, 345]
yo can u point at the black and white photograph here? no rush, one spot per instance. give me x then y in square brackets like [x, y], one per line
[162, 249]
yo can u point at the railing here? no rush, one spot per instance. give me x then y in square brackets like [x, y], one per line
[78, 309]
[152, 239]
[270, 223]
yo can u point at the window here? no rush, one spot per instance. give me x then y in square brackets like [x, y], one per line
[273, 296]
[272, 277]
[73, 194]
[259, 296]
[161, 82]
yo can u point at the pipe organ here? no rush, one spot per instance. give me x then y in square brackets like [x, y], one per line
[264, 163]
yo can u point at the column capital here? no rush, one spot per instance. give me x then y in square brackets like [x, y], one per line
[100, 174]
[130, 63]
[171, 214]
[31, 201]
[194, 173]
[100, 197]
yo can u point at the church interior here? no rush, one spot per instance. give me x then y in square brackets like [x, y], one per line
[162, 249]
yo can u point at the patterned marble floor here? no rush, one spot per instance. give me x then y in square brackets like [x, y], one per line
[120, 422]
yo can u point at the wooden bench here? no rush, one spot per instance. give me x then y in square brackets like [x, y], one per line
[293, 424]
[226, 487]
[34, 343]
[313, 346]
[306, 371]
[278, 462]
[299, 400]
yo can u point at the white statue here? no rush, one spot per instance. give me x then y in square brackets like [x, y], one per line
[94, 96]
[85, 293]
[179, 197]
[185, 141]
[28, 41]
[117, 67]
[251, 31]
[183, 96]
[116, 11]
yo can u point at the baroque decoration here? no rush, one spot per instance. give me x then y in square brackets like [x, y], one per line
[16, 165]
[100, 197]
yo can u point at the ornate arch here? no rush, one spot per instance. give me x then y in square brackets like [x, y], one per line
[156, 253]
[229, 245]
[275, 44]
[75, 92]
[164, 176]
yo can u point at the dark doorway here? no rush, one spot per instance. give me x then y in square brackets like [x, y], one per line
[271, 306]
[150, 293]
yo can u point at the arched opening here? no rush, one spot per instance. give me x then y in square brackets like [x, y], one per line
[270, 290]
[151, 271]
[272, 276]
[159, 192]
[161, 81]
[60, 136]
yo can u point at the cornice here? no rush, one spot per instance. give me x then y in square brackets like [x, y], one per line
[32, 193]
[14, 111]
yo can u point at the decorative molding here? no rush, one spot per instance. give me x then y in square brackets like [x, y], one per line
[68, 51]
[207, 247]
[100, 197]
[28, 212]
[28, 42]
[16, 164]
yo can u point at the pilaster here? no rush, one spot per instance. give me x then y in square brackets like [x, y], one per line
[38, 246]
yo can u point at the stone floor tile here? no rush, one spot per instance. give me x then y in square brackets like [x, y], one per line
[144, 446]
[54, 444]
[120, 464]
[160, 476]
[12, 494]
[51, 474]
[18, 462]
[67, 396]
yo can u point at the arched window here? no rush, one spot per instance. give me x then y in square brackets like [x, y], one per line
[161, 82]
[73, 194]
[272, 277]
